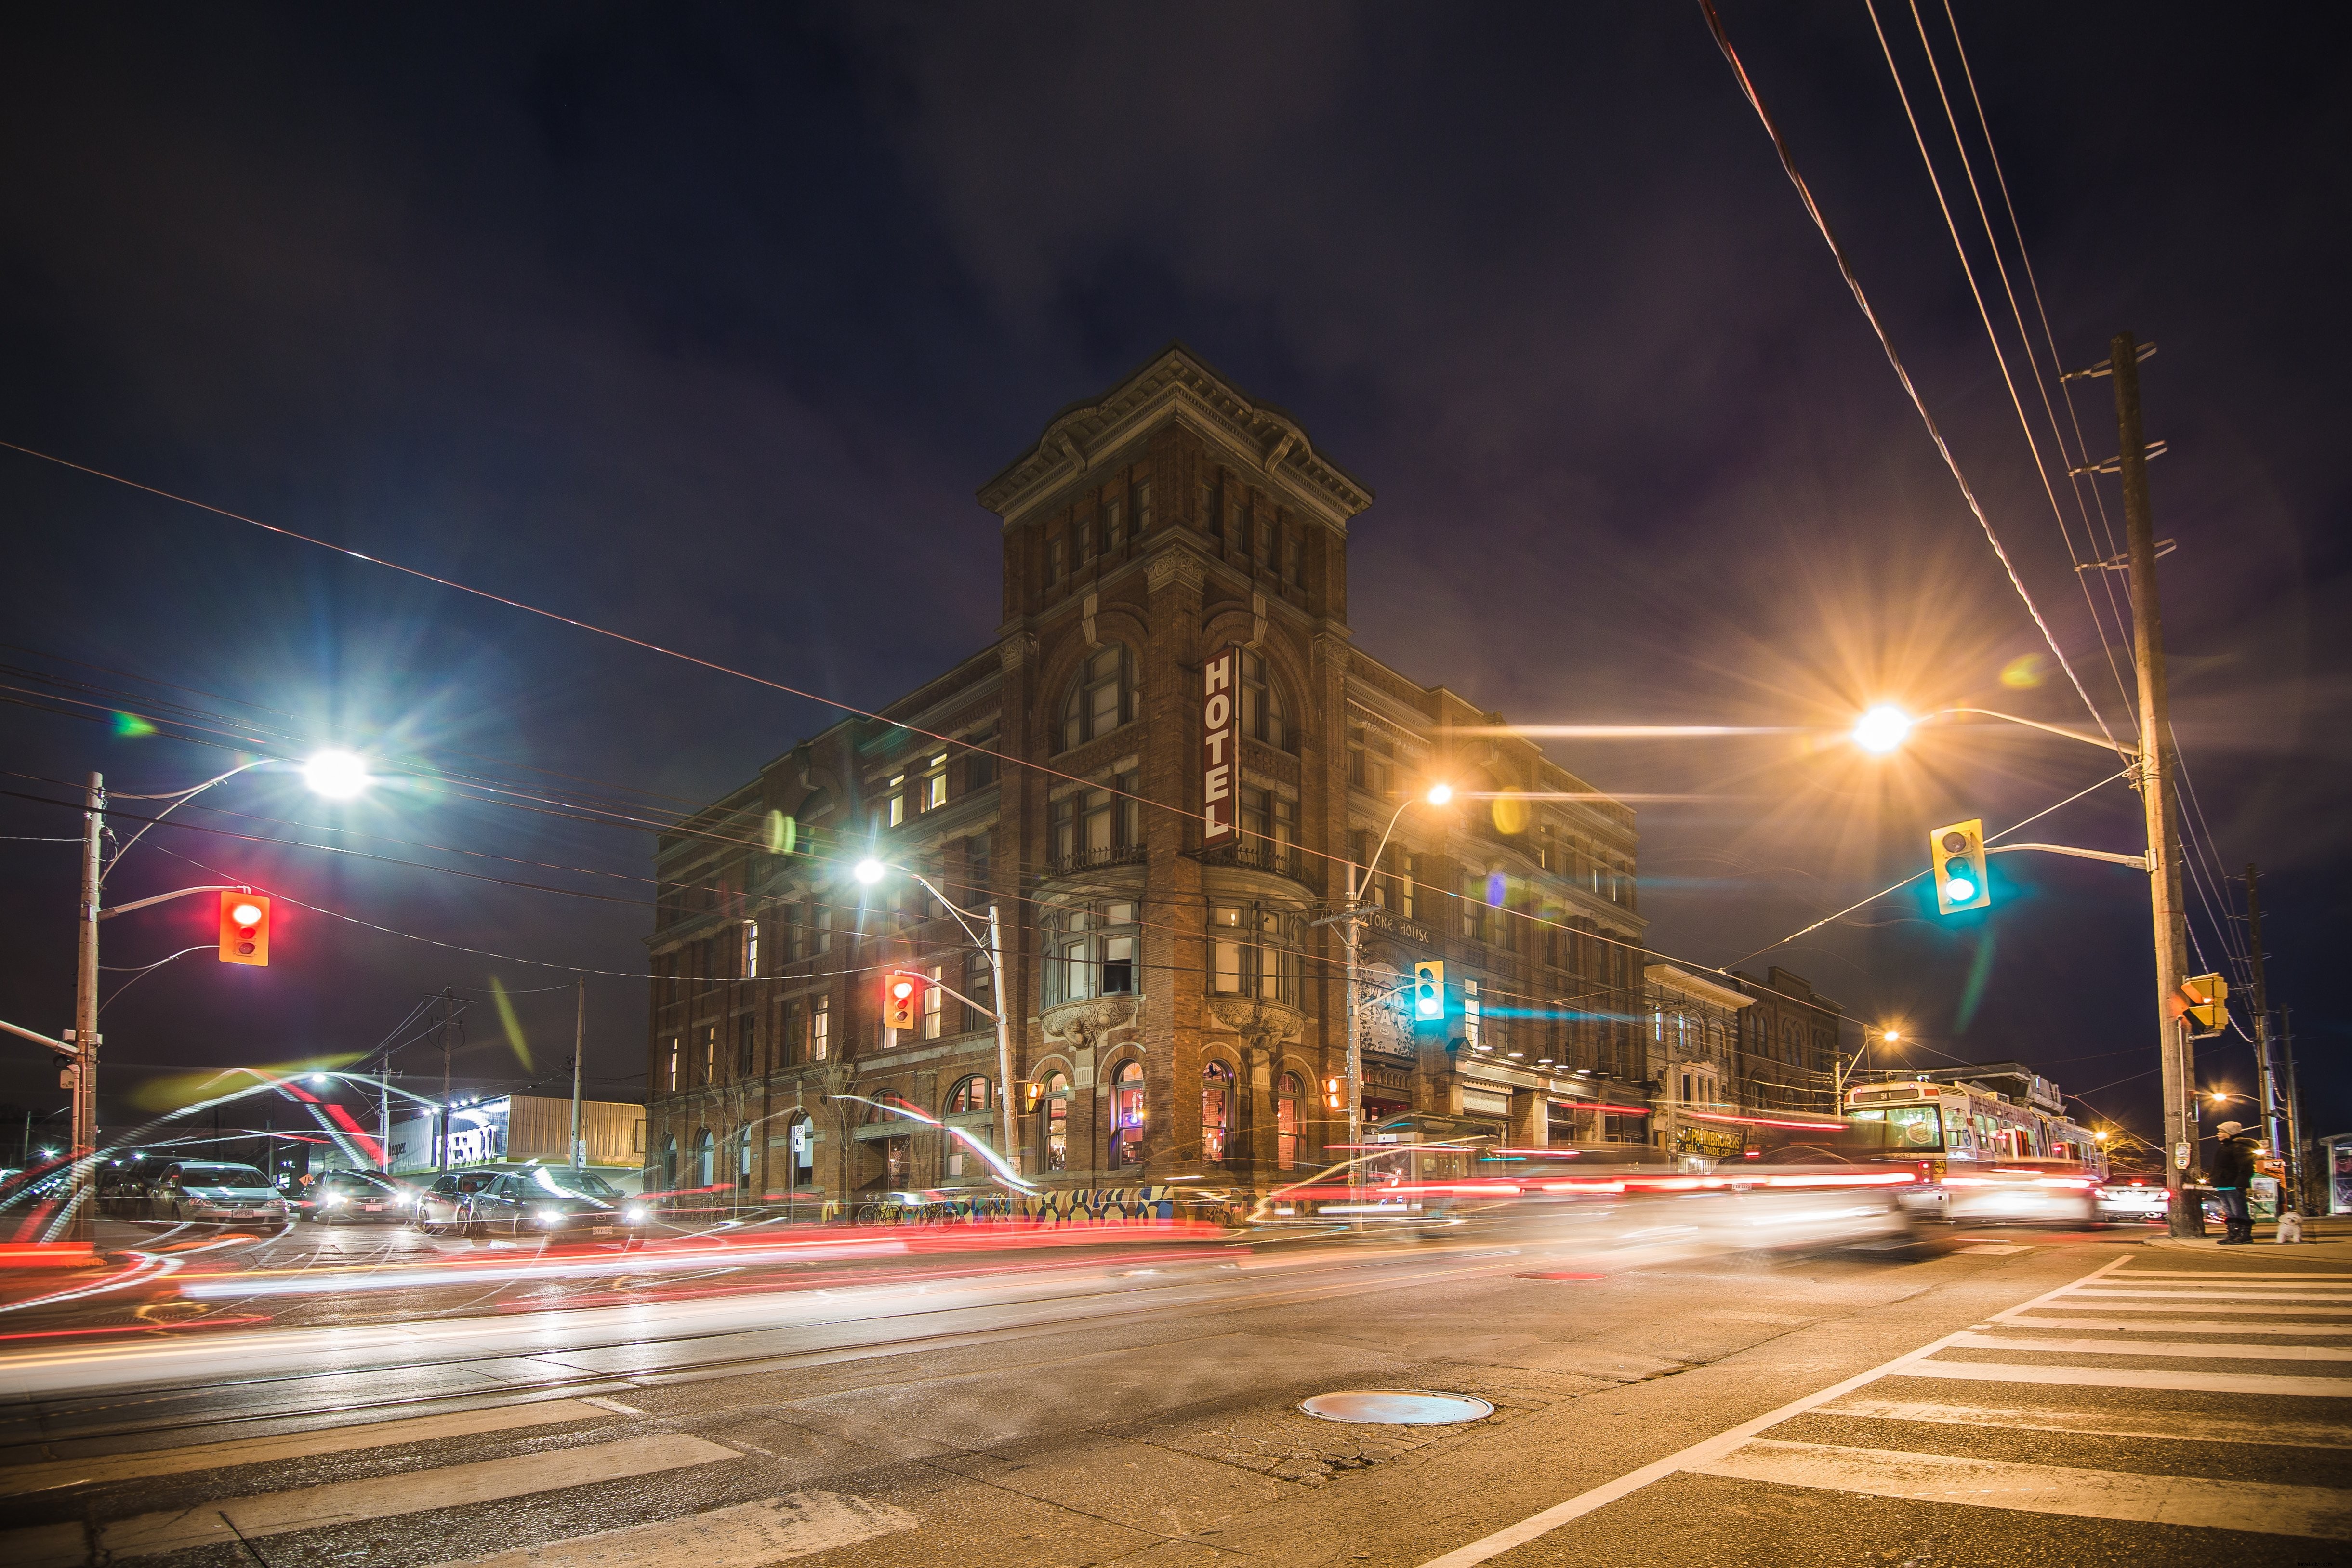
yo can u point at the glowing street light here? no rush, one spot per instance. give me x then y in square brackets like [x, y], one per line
[337, 774]
[1439, 794]
[1883, 728]
[869, 870]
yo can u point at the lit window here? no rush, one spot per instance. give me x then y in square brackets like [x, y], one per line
[935, 783]
[1287, 1139]
[934, 1007]
[820, 1028]
[1090, 951]
[669, 1066]
[896, 808]
[1057, 1122]
[1472, 1015]
[1127, 1115]
[1216, 1111]
[1253, 950]
[751, 949]
[973, 1093]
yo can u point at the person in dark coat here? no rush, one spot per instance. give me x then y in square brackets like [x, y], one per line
[2234, 1173]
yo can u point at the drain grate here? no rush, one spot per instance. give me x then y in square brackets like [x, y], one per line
[1390, 1408]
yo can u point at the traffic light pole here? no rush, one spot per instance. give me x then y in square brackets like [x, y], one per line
[579, 1044]
[2265, 1069]
[2168, 913]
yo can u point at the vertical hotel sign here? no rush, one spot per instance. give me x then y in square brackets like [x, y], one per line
[1221, 735]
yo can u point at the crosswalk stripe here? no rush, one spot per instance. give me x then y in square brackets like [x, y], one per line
[2232, 1276]
[2141, 1325]
[2257, 1506]
[2214, 1296]
[2154, 1347]
[773, 1530]
[16, 1480]
[2103, 1422]
[2130, 1377]
[413, 1491]
[2080, 1306]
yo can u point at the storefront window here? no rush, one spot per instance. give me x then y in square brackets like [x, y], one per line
[1127, 1115]
[1057, 1122]
[1287, 1139]
[1217, 1110]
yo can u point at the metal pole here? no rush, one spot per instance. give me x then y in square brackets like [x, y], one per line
[383, 1116]
[1004, 1009]
[441, 1114]
[2266, 1072]
[1352, 927]
[82, 1074]
[2169, 916]
[2295, 1169]
[579, 1045]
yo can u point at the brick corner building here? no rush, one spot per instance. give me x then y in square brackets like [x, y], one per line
[1176, 1006]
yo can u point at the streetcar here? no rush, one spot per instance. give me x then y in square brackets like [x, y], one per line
[1980, 1155]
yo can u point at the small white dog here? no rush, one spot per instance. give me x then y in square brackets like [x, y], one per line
[2290, 1225]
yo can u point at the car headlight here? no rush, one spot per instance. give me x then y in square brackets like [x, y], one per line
[636, 1213]
[547, 1214]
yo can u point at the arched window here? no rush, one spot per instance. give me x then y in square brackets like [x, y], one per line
[742, 1157]
[973, 1093]
[1261, 717]
[670, 1162]
[1216, 1111]
[1789, 1038]
[1057, 1122]
[887, 1108]
[1127, 1115]
[1102, 698]
[1286, 1136]
[801, 1169]
[706, 1158]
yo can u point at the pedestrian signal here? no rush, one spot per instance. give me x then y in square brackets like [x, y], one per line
[1335, 1094]
[1429, 989]
[244, 928]
[1956, 859]
[2205, 999]
[902, 999]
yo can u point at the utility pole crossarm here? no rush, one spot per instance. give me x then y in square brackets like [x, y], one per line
[2137, 863]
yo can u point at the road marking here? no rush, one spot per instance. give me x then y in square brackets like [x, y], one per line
[2154, 1347]
[2217, 1274]
[17, 1479]
[2101, 1423]
[1712, 1449]
[2087, 1305]
[614, 1405]
[2217, 1296]
[773, 1529]
[2270, 1510]
[2142, 1325]
[1991, 1249]
[413, 1491]
[2129, 1377]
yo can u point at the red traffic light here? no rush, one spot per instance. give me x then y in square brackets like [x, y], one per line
[244, 928]
[902, 999]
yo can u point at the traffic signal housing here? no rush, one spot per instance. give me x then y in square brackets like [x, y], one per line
[1956, 859]
[2205, 999]
[902, 999]
[244, 928]
[1428, 990]
[1335, 1094]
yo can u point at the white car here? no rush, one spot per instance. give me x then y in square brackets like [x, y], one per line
[2135, 1198]
[219, 1194]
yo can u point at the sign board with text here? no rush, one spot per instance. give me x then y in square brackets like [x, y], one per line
[1220, 736]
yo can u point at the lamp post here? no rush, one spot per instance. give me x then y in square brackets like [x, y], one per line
[336, 773]
[1851, 1070]
[1351, 921]
[869, 871]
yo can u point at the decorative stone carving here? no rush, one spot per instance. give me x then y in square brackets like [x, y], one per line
[1015, 651]
[1175, 564]
[1087, 1022]
[1256, 1019]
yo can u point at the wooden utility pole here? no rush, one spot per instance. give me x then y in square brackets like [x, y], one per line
[441, 1117]
[2265, 1071]
[2164, 871]
[81, 1072]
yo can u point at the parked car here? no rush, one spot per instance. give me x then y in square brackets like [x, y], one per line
[350, 1195]
[226, 1194]
[542, 1200]
[2128, 1198]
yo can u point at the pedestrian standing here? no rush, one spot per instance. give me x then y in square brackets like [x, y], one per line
[2233, 1171]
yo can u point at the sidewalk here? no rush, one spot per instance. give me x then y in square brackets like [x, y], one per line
[2328, 1239]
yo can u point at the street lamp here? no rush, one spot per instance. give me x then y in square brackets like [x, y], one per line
[870, 871]
[335, 773]
[1883, 728]
[1350, 921]
[1854, 1068]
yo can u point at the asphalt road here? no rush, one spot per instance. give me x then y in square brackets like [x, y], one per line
[1659, 1398]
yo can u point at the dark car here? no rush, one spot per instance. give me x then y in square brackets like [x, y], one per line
[542, 1200]
[340, 1196]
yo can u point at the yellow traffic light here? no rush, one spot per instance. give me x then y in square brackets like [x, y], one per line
[1335, 1094]
[1428, 989]
[1956, 859]
[2205, 999]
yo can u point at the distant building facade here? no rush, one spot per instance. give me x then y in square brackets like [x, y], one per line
[1789, 1044]
[1160, 862]
[521, 1129]
[1691, 1032]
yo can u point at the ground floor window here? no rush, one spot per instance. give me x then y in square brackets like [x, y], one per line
[1217, 1110]
[1057, 1122]
[1127, 1115]
[1286, 1138]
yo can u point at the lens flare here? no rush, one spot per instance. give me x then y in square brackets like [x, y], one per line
[337, 774]
[1882, 729]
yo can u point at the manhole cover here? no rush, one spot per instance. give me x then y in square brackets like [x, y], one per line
[1389, 1408]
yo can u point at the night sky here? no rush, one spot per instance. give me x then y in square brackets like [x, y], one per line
[704, 323]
